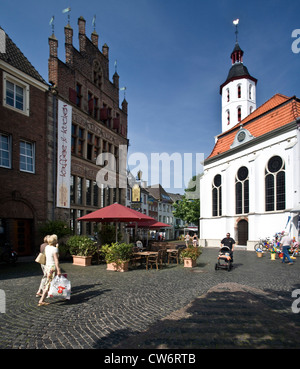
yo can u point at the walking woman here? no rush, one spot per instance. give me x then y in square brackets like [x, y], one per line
[44, 278]
[52, 266]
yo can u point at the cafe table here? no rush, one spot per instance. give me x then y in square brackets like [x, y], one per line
[146, 254]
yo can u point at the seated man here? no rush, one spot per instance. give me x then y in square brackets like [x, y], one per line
[139, 245]
[229, 242]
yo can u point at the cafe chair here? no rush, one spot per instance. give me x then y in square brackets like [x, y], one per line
[158, 259]
[136, 258]
[173, 254]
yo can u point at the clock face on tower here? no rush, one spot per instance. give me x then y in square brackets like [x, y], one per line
[241, 136]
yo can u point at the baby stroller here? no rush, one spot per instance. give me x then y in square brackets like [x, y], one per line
[224, 259]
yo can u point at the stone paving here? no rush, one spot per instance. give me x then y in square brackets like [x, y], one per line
[173, 308]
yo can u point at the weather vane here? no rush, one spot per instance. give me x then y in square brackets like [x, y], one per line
[67, 10]
[51, 23]
[236, 22]
[123, 89]
[94, 22]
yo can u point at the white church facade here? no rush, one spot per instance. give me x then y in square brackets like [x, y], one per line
[251, 180]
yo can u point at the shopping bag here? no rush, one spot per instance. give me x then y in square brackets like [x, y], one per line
[60, 287]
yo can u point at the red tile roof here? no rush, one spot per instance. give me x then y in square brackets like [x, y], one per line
[274, 113]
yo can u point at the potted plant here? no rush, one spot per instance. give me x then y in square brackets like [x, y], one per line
[82, 248]
[190, 256]
[117, 256]
[273, 254]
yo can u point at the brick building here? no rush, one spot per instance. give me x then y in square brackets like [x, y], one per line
[99, 125]
[23, 124]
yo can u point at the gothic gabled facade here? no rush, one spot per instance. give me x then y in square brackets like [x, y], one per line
[99, 125]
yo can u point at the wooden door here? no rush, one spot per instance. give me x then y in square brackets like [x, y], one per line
[242, 232]
[22, 236]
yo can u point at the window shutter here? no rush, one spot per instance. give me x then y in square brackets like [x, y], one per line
[116, 124]
[72, 96]
[103, 114]
[91, 106]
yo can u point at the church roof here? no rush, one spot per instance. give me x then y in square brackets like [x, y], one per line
[14, 56]
[238, 69]
[277, 112]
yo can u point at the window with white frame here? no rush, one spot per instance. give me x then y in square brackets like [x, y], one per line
[15, 94]
[27, 156]
[5, 151]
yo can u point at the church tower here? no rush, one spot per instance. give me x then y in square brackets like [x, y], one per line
[238, 91]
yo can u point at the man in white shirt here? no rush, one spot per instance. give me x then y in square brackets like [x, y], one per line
[286, 243]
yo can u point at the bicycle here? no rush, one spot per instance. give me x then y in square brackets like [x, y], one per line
[264, 244]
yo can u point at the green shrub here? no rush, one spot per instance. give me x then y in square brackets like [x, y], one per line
[117, 252]
[82, 246]
[191, 252]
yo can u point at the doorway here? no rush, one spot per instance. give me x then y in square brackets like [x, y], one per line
[242, 232]
[22, 236]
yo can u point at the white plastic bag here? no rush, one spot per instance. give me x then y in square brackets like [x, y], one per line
[60, 287]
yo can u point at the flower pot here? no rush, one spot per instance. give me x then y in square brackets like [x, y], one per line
[189, 263]
[121, 266]
[259, 254]
[82, 260]
[273, 256]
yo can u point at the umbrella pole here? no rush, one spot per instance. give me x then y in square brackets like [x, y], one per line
[116, 232]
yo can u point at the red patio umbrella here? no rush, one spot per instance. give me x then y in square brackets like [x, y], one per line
[115, 213]
[150, 224]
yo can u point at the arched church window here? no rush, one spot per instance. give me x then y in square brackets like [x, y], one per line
[239, 113]
[275, 184]
[228, 95]
[228, 116]
[242, 191]
[239, 91]
[217, 196]
[250, 92]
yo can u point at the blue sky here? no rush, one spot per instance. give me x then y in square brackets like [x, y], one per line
[172, 56]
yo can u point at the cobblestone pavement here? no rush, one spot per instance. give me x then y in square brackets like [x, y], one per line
[248, 307]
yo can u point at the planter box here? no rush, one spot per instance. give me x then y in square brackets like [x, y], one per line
[82, 260]
[189, 263]
[120, 267]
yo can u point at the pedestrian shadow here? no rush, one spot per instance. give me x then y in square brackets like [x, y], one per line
[84, 293]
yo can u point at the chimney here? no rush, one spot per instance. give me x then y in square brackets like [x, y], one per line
[53, 61]
[69, 44]
[95, 38]
[82, 36]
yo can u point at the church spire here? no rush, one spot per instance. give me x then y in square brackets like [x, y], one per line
[239, 89]
[237, 53]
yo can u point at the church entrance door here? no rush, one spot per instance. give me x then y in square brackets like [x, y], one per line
[242, 232]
